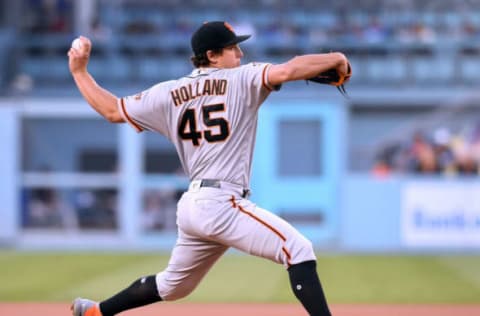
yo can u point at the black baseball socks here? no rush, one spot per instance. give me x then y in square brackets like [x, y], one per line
[303, 279]
[141, 292]
[307, 288]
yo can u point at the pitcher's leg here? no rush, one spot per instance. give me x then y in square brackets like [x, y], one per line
[262, 233]
[141, 292]
[307, 288]
[190, 261]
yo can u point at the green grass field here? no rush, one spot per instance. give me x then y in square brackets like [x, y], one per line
[236, 278]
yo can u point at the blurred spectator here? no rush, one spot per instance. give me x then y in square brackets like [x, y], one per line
[152, 217]
[445, 154]
[465, 163]
[159, 211]
[424, 33]
[375, 31]
[99, 31]
[381, 168]
[475, 144]
[96, 209]
[421, 156]
[363, 20]
[48, 16]
[139, 27]
[46, 209]
[470, 30]
[387, 160]
[279, 28]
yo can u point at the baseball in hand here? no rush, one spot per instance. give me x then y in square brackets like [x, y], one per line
[77, 44]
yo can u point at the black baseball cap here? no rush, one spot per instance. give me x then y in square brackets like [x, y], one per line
[215, 35]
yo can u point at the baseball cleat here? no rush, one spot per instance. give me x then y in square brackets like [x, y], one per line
[85, 307]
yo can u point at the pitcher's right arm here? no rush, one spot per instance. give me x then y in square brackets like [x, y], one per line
[100, 99]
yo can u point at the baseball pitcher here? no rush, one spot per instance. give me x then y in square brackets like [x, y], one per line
[210, 115]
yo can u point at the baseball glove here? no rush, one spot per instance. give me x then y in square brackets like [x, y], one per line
[332, 77]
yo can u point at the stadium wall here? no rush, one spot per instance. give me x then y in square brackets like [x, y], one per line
[335, 208]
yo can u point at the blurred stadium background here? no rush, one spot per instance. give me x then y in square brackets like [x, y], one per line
[394, 168]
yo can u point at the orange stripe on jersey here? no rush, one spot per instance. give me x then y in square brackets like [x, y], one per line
[264, 79]
[124, 110]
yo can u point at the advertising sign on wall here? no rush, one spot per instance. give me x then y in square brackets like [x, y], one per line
[441, 214]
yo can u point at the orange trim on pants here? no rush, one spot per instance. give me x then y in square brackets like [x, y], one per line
[270, 227]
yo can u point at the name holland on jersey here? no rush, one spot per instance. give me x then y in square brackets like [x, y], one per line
[190, 92]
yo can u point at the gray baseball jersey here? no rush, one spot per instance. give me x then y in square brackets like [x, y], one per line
[211, 116]
[198, 113]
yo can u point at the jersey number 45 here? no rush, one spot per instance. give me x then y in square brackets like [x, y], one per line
[188, 129]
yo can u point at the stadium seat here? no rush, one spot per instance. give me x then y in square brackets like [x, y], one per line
[386, 69]
[432, 69]
[470, 69]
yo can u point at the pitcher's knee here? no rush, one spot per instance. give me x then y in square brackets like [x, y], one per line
[171, 288]
[177, 293]
[302, 251]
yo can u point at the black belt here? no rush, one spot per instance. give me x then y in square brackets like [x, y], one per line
[213, 183]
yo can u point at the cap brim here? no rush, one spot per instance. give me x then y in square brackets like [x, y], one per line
[238, 39]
